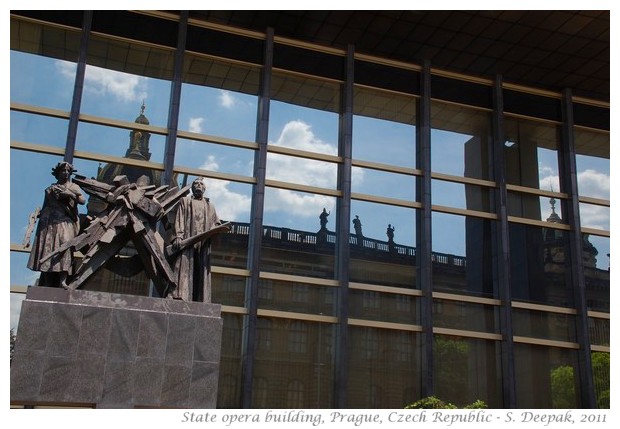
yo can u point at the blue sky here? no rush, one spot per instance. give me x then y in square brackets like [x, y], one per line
[46, 82]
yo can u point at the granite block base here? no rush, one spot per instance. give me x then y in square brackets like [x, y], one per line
[115, 351]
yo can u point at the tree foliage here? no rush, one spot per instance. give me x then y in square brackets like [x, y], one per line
[433, 402]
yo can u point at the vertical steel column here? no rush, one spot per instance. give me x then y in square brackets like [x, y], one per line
[175, 100]
[501, 255]
[256, 227]
[78, 86]
[345, 150]
[568, 175]
[424, 246]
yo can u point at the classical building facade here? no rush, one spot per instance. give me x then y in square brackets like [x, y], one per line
[402, 227]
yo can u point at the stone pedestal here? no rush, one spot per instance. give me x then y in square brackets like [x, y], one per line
[115, 351]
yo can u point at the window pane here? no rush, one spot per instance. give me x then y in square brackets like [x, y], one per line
[460, 140]
[214, 157]
[297, 365]
[386, 307]
[302, 128]
[545, 325]
[599, 331]
[540, 265]
[297, 297]
[597, 272]
[462, 196]
[121, 76]
[303, 91]
[302, 171]
[600, 369]
[31, 174]
[45, 130]
[384, 368]
[383, 129]
[546, 377]
[467, 370]
[134, 144]
[219, 98]
[462, 254]
[229, 388]
[593, 164]
[465, 315]
[43, 63]
[293, 242]
[382, 245]
[531, 154]
[227, 290]
[521, 204]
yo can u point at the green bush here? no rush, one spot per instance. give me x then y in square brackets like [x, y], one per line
[432, 402]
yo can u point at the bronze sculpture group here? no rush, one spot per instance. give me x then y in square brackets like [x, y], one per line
[179, 270]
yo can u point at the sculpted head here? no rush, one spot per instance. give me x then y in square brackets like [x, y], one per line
[198, 188]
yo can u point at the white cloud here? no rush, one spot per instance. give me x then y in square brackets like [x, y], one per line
[298, 135]
[550, 183]
[230, 205]
[593, 184]
[125, 87]
[594, 216]
[227, 100]
[195, 124]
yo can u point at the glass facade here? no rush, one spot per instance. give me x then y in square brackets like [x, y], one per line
[399, 234]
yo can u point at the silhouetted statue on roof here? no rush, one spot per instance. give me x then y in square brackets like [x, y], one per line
[357, 226]
[323, 217]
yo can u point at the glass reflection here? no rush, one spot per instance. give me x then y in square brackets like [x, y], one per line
[383, 184]
[382, 245]
[383, 141]
[466, 370]
[302, 171]
[460, 139]
[546, 377]
[295, 239]
[229, 388]
[220, 107]
[593, 164]
[31, 74]
[596, 266]
[297, 297]
[462, 254]
[133, 144]
[531, 154]
[540, 324]
[44, 130]
[30, 174]
[380, 306]
[540, 265]
[460, 195]
[121, 75]
[384, 368]
[465, 315]
[303, 128]
[294, 358]
[214, 157]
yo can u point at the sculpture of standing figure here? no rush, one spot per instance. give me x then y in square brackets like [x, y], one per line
[390, 233]
[195, 215]
[357, 225]
[323, 218]
[58, 223]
